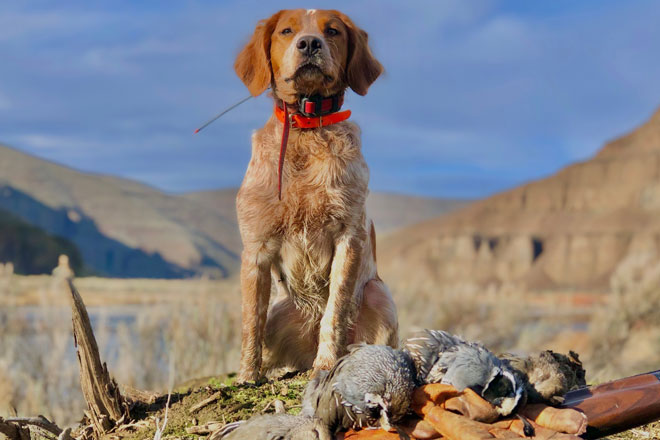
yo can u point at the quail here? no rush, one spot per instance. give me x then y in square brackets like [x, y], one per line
[370, 386]
[442, 357]
[549, 375]
[275, 427]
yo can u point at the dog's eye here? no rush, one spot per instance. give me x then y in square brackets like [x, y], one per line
[286, 31]
[331, 32]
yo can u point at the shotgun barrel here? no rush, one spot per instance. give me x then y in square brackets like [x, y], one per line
[618, 405]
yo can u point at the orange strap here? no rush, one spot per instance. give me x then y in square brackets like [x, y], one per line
[285, 140]
[300, 121]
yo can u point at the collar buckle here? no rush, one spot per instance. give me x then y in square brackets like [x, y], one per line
[317, 105]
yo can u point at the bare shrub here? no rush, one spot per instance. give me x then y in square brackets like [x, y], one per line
[493, 315]
[625, 333]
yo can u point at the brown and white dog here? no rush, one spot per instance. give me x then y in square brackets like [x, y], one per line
[316, 244]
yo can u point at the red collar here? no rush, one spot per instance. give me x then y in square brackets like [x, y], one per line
[300, 121]
[313, 112]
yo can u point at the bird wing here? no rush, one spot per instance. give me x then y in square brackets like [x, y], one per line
[426, 349]
[358, 380]
[342, 378]
[312, 393]
[469, 365]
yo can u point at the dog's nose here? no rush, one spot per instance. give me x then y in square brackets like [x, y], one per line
[309, 45]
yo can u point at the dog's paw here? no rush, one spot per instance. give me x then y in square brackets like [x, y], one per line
[316, 372]
[323, 363]
[245, 377]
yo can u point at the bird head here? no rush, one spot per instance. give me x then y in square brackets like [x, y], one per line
[503, 390]
[378, 409]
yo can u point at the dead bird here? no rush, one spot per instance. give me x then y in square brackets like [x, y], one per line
[549, 375]
[441, 357]
[275, 427]
[371, 386]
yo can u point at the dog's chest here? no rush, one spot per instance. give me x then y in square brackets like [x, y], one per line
[304, 266]
[324, 183]
[308, 237]
[323, 194]
[324, 186]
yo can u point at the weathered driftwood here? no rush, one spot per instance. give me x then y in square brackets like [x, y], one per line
[17, 428]
[39, 421]
[14, 431]
[214, 397]
[205, 429]
[65, 435]
[107, 407]
[134, 395]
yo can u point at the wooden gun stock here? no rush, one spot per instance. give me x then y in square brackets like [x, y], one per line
[618, 405]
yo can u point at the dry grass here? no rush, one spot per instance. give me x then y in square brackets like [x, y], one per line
[648, 432]
[140, 323]
[504, 318]
[195, 321]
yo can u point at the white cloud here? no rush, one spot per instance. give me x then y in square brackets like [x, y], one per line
[50, 142]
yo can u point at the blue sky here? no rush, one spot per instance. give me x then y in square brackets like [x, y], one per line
[478, 96]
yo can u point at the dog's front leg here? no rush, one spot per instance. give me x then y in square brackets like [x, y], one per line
[341, 311]
[255, 291]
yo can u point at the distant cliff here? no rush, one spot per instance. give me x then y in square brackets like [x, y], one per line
[570, 230]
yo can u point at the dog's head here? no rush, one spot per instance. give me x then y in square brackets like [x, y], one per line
[306, 52]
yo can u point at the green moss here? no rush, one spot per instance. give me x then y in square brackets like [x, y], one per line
[238, 402]
[215, 383]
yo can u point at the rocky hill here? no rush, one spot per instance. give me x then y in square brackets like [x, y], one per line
[569, 230]
[31, 250]
[124, 228]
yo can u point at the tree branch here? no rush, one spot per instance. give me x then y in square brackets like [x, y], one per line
[107, 407]
[39, 421]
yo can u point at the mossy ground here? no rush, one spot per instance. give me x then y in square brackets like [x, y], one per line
[240, 402]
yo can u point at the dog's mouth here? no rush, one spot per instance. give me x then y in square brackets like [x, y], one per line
[309, 72]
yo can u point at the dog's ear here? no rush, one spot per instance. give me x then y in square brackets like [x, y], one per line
[362, 68]
[253, 63]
